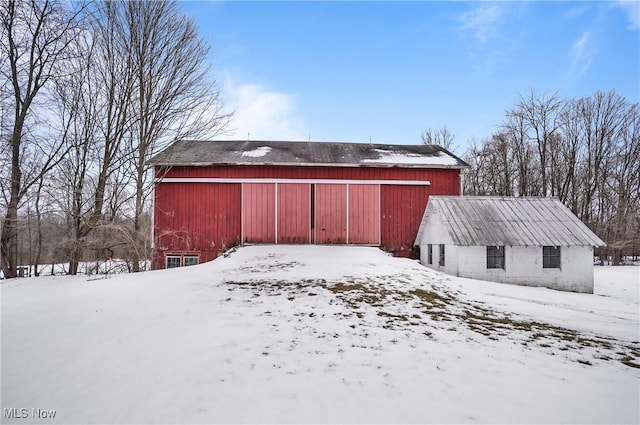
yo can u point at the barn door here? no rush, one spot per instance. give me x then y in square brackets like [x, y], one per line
[258, 213]
[293, 212]
[364, 214]
[330, 214]
[401, 208]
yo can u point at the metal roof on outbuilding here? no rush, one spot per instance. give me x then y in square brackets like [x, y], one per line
[205, 153]
[508, 221]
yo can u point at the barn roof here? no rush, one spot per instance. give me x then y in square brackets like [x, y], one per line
[508, 221]
[204, 153]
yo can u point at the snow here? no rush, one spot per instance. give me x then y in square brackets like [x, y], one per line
[392, 157]
[257, 152]
[321, 334]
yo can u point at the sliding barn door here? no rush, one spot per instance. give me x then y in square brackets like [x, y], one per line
[294, 203]
[259, 212]
[330, 214]
[364, 214]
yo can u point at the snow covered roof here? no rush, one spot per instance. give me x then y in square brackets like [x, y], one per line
[508, 221]
[203, 153]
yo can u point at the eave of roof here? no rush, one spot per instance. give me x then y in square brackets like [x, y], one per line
[193, 153]
[509, 221]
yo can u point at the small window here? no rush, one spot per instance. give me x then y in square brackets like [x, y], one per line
[190, 260]
[173, 261]
[441, 255]
[495, 257]
[551, 257]
[429, 254]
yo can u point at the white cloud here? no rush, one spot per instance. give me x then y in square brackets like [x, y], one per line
[632, 9]
[482, 21]
[261, 114]
[582, 54]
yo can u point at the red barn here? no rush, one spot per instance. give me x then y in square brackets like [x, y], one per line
[212, 195]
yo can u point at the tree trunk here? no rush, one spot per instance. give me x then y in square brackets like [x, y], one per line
[9, 237]
[74, 259]
[36, 260]
[138, 215]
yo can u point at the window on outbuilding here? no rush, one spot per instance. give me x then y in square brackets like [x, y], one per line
[551, 257]
[495, 257]
[173, 261]
[441, 255]
[429, 254]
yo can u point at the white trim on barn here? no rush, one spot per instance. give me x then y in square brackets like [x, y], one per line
[270, 180]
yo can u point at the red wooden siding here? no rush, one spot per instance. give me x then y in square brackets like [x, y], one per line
[401, 209]
[195, 218]
[330, 214]
[364, 214]
[208, 218]
[294, 201]
[259, 213]
[437, 176]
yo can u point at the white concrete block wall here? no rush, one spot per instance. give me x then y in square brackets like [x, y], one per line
[451, 261]
[523, 266]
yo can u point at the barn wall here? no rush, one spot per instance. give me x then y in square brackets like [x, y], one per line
[208, 217]
[202, 219]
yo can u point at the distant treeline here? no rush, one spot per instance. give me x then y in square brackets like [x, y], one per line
[584, 151]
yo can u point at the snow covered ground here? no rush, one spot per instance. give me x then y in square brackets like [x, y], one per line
[318, 334]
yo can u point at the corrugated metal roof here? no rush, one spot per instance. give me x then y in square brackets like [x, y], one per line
[509, 221]
[203, 153]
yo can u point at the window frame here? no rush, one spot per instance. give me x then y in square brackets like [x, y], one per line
[495, 253]
[180, 260]
[169, 257]
[551, 257]
[190, 257]
[442, 253]
[429, 254]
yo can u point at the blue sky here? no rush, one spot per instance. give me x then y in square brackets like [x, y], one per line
[386, 71]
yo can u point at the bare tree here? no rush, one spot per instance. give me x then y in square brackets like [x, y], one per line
[175, 97]
[441, 137]
[34, 40]
[539, 115]
[99, 112]
[584, 151]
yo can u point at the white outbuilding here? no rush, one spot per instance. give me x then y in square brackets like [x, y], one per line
[525, 241]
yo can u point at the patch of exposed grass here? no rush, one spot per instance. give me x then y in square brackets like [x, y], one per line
[432, 297]
[395, 316]
[441, 305]
[627, 360]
